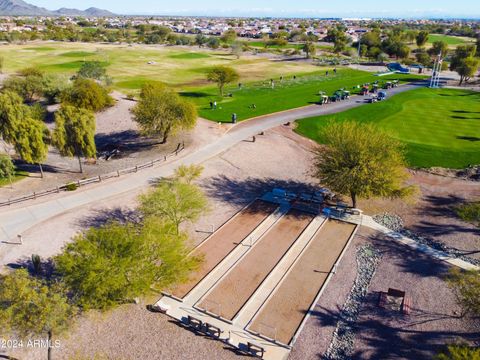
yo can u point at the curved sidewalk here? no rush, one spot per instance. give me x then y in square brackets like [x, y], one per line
[17, 219]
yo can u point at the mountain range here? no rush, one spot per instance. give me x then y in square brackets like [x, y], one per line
[20, 7]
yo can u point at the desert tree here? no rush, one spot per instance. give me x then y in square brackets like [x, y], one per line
[12, 113]
[222, 75]
[31, 143]
[74, 133]
[459, 352]
[7, 168]
[466, 287]
[422, 38]
[175, 201]
[114, 263]
[92, 70]
[309, 49]
[87, 94]
[360, 160]
[160, 111]
[438, 47]
[464, 62]
[31, 307]
[188, 173]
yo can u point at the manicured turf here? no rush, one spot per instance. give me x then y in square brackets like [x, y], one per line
[79, 54]
[129, 66]
[439, 127]
[450, 40]
[192, 55]
[290, 93]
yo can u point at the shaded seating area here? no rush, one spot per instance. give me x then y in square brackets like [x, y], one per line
[396, 300]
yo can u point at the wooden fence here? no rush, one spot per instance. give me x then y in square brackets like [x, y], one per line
[78, 183]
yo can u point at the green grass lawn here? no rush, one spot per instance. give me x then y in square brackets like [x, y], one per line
[439, 127]
[129, 66]
[286, 95]
[19, 175]
[450, 40]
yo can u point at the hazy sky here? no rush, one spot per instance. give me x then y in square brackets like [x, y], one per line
[307, 8]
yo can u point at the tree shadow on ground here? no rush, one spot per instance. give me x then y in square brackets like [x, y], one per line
[102, 217]
[35, 169]
[388, 334]
[128, 141]
[195, 94]
[443, 207]
[407, 259]
[239, 192]
[465, 112]
[469, 138]
[46, 270]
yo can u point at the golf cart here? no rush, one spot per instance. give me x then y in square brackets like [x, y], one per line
[323, 98]
[373, 98]
[382, 95]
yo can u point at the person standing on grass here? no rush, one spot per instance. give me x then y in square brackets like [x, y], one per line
[335, 70]
[211, 105]
[214, 105]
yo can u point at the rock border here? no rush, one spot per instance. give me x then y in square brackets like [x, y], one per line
[342, 345]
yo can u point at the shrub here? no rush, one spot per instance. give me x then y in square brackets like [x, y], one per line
[87, 94]
[469, 212]
[459, 352]
[466, 287]
[7, 169]
[71, 186]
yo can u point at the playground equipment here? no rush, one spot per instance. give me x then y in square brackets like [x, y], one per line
[398, 68]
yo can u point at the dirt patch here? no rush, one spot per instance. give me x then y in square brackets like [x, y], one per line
[285, 310]
[233, 291]
[222, 242]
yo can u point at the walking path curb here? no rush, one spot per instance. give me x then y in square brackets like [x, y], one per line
[439, 255]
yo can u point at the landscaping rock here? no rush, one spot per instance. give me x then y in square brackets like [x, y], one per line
[342, 345]
[390, 221]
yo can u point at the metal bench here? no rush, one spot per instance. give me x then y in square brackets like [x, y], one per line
[194, 323]
[255, 350]
[213, 330]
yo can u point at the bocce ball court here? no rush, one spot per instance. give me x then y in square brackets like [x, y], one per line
[234, 290]
[217, 246]
[285, 310]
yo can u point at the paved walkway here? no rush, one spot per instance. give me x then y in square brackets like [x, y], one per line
[17, 219]
[437, 254]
